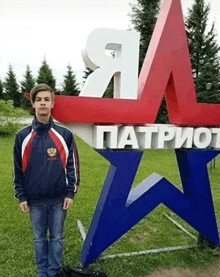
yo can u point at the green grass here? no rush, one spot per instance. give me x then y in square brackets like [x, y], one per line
[154, 231]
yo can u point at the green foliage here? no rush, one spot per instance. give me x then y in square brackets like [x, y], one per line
[162, 116]
[207, 84]
[109, 92]
[70, 86]
[45, 75]
[8, 118]
[9, 128]
[26, 86]
[86, 72]
[12, 88]
[7, 109]
[1, 90]
[204, 52]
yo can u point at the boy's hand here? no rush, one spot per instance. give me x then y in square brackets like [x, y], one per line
[24, 207]
[68, 202]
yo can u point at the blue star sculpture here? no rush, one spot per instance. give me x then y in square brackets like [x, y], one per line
[119, 208]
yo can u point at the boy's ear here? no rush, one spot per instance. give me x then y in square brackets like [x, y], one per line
[32, 103]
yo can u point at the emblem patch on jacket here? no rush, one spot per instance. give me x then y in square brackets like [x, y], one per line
[52, 152]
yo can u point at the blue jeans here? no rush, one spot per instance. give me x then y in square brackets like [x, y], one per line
[48, 250]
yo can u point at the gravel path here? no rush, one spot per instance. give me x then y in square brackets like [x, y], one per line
[212, 271]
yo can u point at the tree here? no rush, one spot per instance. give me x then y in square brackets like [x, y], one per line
[12, 88]
[204, 51]
[70, 86]
[1, 91]
[143, 18]
[207, 84]
[26, 85]
[109, 92]
[45, 75]
[86, 72]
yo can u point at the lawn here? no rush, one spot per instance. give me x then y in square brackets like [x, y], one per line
[154, 231]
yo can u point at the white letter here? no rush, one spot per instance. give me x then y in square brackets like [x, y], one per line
[127, 136]
[111, 136]
[166, 134]
[124, 65]
[184, 137]
[202, 137]
[215, 138]
[145, 135]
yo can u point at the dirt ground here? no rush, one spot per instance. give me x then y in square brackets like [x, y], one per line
[212, 271]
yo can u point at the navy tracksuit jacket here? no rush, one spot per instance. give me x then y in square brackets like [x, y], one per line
[46, 164]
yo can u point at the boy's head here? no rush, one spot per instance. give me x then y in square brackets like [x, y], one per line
[42, 99]
[38, 88]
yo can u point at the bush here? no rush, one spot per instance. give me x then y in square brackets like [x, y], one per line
[7, 109]
[9, 128]
[8, 114]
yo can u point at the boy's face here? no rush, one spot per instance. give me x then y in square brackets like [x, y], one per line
[43, 104]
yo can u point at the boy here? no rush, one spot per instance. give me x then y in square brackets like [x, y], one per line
[46, 178]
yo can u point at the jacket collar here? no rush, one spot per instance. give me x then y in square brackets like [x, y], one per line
[42, 128]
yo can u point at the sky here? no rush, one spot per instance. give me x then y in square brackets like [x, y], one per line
[57, 30]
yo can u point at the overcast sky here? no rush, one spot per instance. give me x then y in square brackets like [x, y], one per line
[57, 29]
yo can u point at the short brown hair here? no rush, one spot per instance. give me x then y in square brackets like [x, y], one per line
[38, 88]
